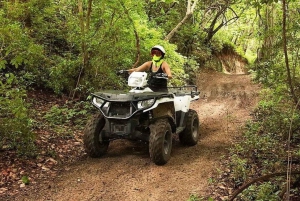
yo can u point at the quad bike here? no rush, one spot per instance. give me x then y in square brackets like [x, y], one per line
[142, 114]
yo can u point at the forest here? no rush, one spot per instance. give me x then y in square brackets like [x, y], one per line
[69, 49]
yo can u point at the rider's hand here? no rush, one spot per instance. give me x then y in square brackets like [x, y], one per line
[122, 72]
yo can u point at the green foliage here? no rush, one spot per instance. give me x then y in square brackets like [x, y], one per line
[59, 79]
[256, 150]
[191, 67]
[265, 191]
[62, 118]
[45, 39]
[194, 197]
[262, 149]
[72, 113]
[25, 180]
[240, 168]
[271, 67]
[58, 115]
[275, 112]
[15, 124]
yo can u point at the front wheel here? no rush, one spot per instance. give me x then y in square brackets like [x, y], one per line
[160, 143]
[190, 135]
[95, 145]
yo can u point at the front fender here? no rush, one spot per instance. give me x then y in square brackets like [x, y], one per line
[166, 110]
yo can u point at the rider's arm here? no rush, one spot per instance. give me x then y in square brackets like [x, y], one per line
[142, 68]
[167, 70]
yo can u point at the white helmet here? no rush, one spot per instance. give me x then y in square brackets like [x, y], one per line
[160, 48]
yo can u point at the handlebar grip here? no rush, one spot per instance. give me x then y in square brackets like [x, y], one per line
[121, 72]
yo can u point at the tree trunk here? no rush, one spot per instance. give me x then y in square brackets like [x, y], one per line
[262, 178]
[213, 29]
[171, 34]
[289, 79]
[189, 13]
[84, 29]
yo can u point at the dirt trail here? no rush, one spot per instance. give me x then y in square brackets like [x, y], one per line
[126, 172]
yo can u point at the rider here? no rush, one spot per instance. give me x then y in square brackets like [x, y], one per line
[156, 67]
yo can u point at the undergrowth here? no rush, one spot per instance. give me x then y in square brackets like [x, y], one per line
[74, 113]
[15, 124]
[262, 149]
[64, 119]
[19, 118]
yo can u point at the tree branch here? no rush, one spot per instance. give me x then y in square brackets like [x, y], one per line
[262, 178]
[189, 13]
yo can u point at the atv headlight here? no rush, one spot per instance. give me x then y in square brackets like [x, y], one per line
[145, 103]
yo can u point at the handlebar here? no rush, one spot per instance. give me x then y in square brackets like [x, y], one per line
[122, 72]
[126, 73]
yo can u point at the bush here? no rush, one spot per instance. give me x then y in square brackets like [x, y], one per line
[265, 191]
[262, 149]
[74, 114]
[15, 124]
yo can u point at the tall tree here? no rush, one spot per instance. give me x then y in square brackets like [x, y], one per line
[189, 12]
[220, 17]
[289, 79]
[84, 27]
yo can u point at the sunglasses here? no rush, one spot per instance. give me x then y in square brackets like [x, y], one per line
[156, 52]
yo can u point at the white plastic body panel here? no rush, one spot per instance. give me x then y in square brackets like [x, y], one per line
[182, 103]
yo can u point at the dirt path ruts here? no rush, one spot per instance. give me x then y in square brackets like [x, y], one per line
[126, 172]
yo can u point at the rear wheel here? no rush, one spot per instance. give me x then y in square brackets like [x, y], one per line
[190, 135]
[95, 145]
[160, 143]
